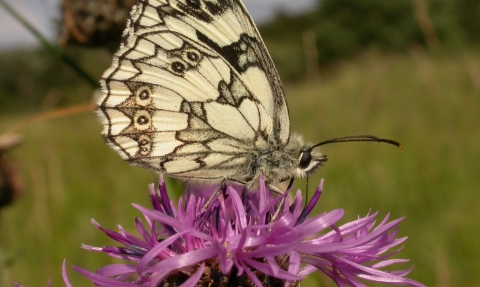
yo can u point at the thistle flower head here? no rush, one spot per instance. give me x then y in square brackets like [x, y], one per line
[235, 242]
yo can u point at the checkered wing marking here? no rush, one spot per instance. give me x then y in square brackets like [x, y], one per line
[192, 92]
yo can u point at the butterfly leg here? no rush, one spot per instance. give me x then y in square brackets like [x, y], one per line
[279, 208]
[221, 186]
[275, 189]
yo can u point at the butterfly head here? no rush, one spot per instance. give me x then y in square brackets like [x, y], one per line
[294, 160]
[309, 158]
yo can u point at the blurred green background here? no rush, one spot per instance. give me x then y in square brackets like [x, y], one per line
[404, 70]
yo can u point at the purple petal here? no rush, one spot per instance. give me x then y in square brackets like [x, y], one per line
[262, 194]
[315, 225]
[156, 250]
[223, 258]
[143, 232]
[239, 209]
[390, 262]
[117, 269]
[164, 197]
[64, 275]
[265, 269]
[183, 260]
[311, 204]
[295, 261]
[102, 281]
[154, 196]
[284, 235]
[160, 217]
[272, 250]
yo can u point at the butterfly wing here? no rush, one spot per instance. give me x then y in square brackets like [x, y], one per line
[192, 92]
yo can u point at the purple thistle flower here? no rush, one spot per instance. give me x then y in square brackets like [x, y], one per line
[233, 242]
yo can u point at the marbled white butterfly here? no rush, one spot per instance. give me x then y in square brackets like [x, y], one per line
[193, 93]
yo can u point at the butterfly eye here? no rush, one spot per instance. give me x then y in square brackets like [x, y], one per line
[305, 159]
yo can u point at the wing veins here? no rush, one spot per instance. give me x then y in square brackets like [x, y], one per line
[201, 88]
[237, 74]
[202, 23]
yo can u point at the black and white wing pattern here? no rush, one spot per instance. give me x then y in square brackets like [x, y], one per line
[192, 91]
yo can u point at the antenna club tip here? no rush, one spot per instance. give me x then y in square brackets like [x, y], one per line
[400, 146]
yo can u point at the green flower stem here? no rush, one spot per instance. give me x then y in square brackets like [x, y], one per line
[55, 50]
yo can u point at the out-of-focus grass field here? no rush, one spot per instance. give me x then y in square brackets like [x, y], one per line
[430, 103]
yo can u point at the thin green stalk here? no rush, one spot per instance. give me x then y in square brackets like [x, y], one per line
[55, 50]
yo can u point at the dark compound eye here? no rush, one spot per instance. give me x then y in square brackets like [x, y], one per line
[178, 67]
[305, 159]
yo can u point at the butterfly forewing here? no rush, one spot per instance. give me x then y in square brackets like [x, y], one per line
[192, 92]
[225, 26]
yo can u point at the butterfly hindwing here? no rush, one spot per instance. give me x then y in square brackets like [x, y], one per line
[192, 92]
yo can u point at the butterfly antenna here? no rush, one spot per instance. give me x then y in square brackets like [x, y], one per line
[364, 138]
